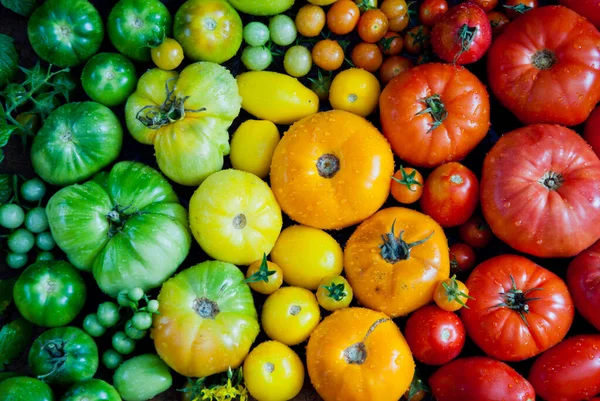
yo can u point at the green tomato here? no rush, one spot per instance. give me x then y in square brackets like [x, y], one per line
[16, 260]
[21, 241]
[257, 58]
[44, 256]
[11, 215]
[33, 190]
[92, 326]
[65, 32]
[142, 378]
[63, 356]
[283, 30]
[25, 389]
[45, 241]
[134, 333]
[111, 359]
[7, 375]
[76, 141]
[36, 220]
[152, 306]
[297, 61]
[142, 320]
[118, 229]
[109, 78]
[256, 33]
[50, 293]
[108, 314]
[135, 294]
[91, 390]
[135, 26]
[123, 344]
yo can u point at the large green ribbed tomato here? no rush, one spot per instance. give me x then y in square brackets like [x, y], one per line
[207, 320]
[186, 117]
[127, 226]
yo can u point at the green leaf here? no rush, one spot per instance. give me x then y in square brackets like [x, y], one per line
[8, 59]
[5, 184]
[21, 7]
[14, 338]
[5, 133]
[6, 291]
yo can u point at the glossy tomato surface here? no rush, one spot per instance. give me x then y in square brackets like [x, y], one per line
[590, 9]
[583, 279]
[591, 132]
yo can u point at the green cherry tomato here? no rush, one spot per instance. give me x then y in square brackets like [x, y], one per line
[122, 343]
[142, 321]
[50, 293]
[108, 314]
[21, 241]
[42, 256]
[91, 390]
[283, 30]
[111, 359]
[33, 190]
[257, 58]
[45, 241]
[65, 32]
[63, 356]
[152, 306]
[11, 215]
[109, 78]
[135, 26]
[36, 220]
[133, 332]
[256, 33]
[142, 377]
[16, 260]
[25, 389]
[92, 326]
[297, 61]
[135, 294]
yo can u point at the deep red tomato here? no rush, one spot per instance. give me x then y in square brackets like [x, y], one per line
[434, 336]
[570, 371]
[485, 5]
[540, 193]
[479, 378]
[391, 44]
[475, 232]
[583, 279]
[514, 8]
[518, 310]
[552, 76]
[462, 35]
[588, 8]
[462, 258]
[450, 194]
[498, 21]
[430, 11]
[372, 25]
[417, 39]
[591, 132]
[423, 114]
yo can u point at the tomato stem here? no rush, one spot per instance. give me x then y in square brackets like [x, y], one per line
[466, 35]
[543, 59]
[408, 180]
[395, 249]
[336, 291]
[55, 349]
[206, 308]
[263, 272]
[118, 217]
[454, 294]
[436, 109]
[517, 300]
[357, 353]
[328, 165]
[551, 180]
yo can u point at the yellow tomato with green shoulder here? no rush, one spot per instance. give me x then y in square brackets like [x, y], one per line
[264, 277]
[276, 97]
[253, 145]
[273, 372]
[334, 293]
[262, 7]
[234, 217]
[306, 255]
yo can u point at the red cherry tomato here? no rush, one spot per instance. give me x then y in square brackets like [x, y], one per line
[498, 22]
[462, 258]
[431, 11]
[475, 232]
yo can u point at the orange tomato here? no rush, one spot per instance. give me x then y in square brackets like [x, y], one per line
[391, 44]
[310, 20]
[357, 354]
[417, 39]
[451, 294]
[264, 277]
[394, 66]
[332, 170]
[398, 24]
[394, 8]
[395, 259]
[367, 56]
[342, 17]
[328, 54]
[407, 185]
[372, 25]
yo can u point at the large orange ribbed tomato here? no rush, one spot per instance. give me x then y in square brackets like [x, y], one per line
[331, 170]
[357, 354]
[395, 259]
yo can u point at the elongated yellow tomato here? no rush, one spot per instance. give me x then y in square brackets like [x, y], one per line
[322, 2]
[262, 7]
[186, 117]
[207, 321]
[252, 146]
[276, 97]
[235, 217]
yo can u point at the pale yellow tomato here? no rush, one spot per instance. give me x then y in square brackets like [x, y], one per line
[253, 145]
[306, 255]
[355, 90]
[264, 277]
[290, 314]
[273, 372]
[334, 293]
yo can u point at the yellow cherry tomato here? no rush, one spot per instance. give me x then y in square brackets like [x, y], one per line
[334, 293]
[290, 314]
[273, 372]
[306, 255]
[168, 55]
[451, 294]
[264, 277]
[355, 90]
[253, 145]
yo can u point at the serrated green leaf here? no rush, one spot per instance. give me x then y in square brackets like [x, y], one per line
[5, 133]
[5, 184]
[14, 338]
[21, 7]
[6, 291]
[8, 60]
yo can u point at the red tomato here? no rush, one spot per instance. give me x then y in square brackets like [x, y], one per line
[519, 308]
[498, 21]
[591, 132]
[462, 258]
[514, 8]
[475, 232]
[587, 8]
[423, 114]
[462, 35]
[417, 39]
[570, 371]
[540, 193]
[431, 11]
[583, 279]
[394, 66]
[391, 44]
[450, 194]
[552, 79]
[485, 5]
[479, 379]
[434, 336]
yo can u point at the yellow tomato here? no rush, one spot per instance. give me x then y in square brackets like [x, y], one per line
[235, 217]
[290, 314]
[273, 372]
[253, 145]
[355, 90]
[276, 97]
[168, 55]
[334, 293]
[264, 277]
[322, 2]
[306, 255]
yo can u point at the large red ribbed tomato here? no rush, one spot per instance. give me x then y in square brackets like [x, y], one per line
[583, 279]
[540, 191]
[434, 113]
[518, 309]
[590, 9]
[545, 67]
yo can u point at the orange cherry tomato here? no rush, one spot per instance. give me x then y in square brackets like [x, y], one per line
[310, 20]
[407, 185]
[394, 8]
[417, 39]
[498, 22]
[393, 66]
[328, 55]
[451, 294]
[399, 24]
[343, 17]
[372, 25]
[367, 56]
[391, 44]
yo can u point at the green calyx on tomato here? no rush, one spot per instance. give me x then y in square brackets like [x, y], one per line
[263, 272]
[436, 109]
[517, 300]
[395, 249]
[336, 291]
[519, 8]
[408, 180]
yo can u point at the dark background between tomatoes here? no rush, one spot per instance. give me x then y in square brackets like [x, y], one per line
[17, 162]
